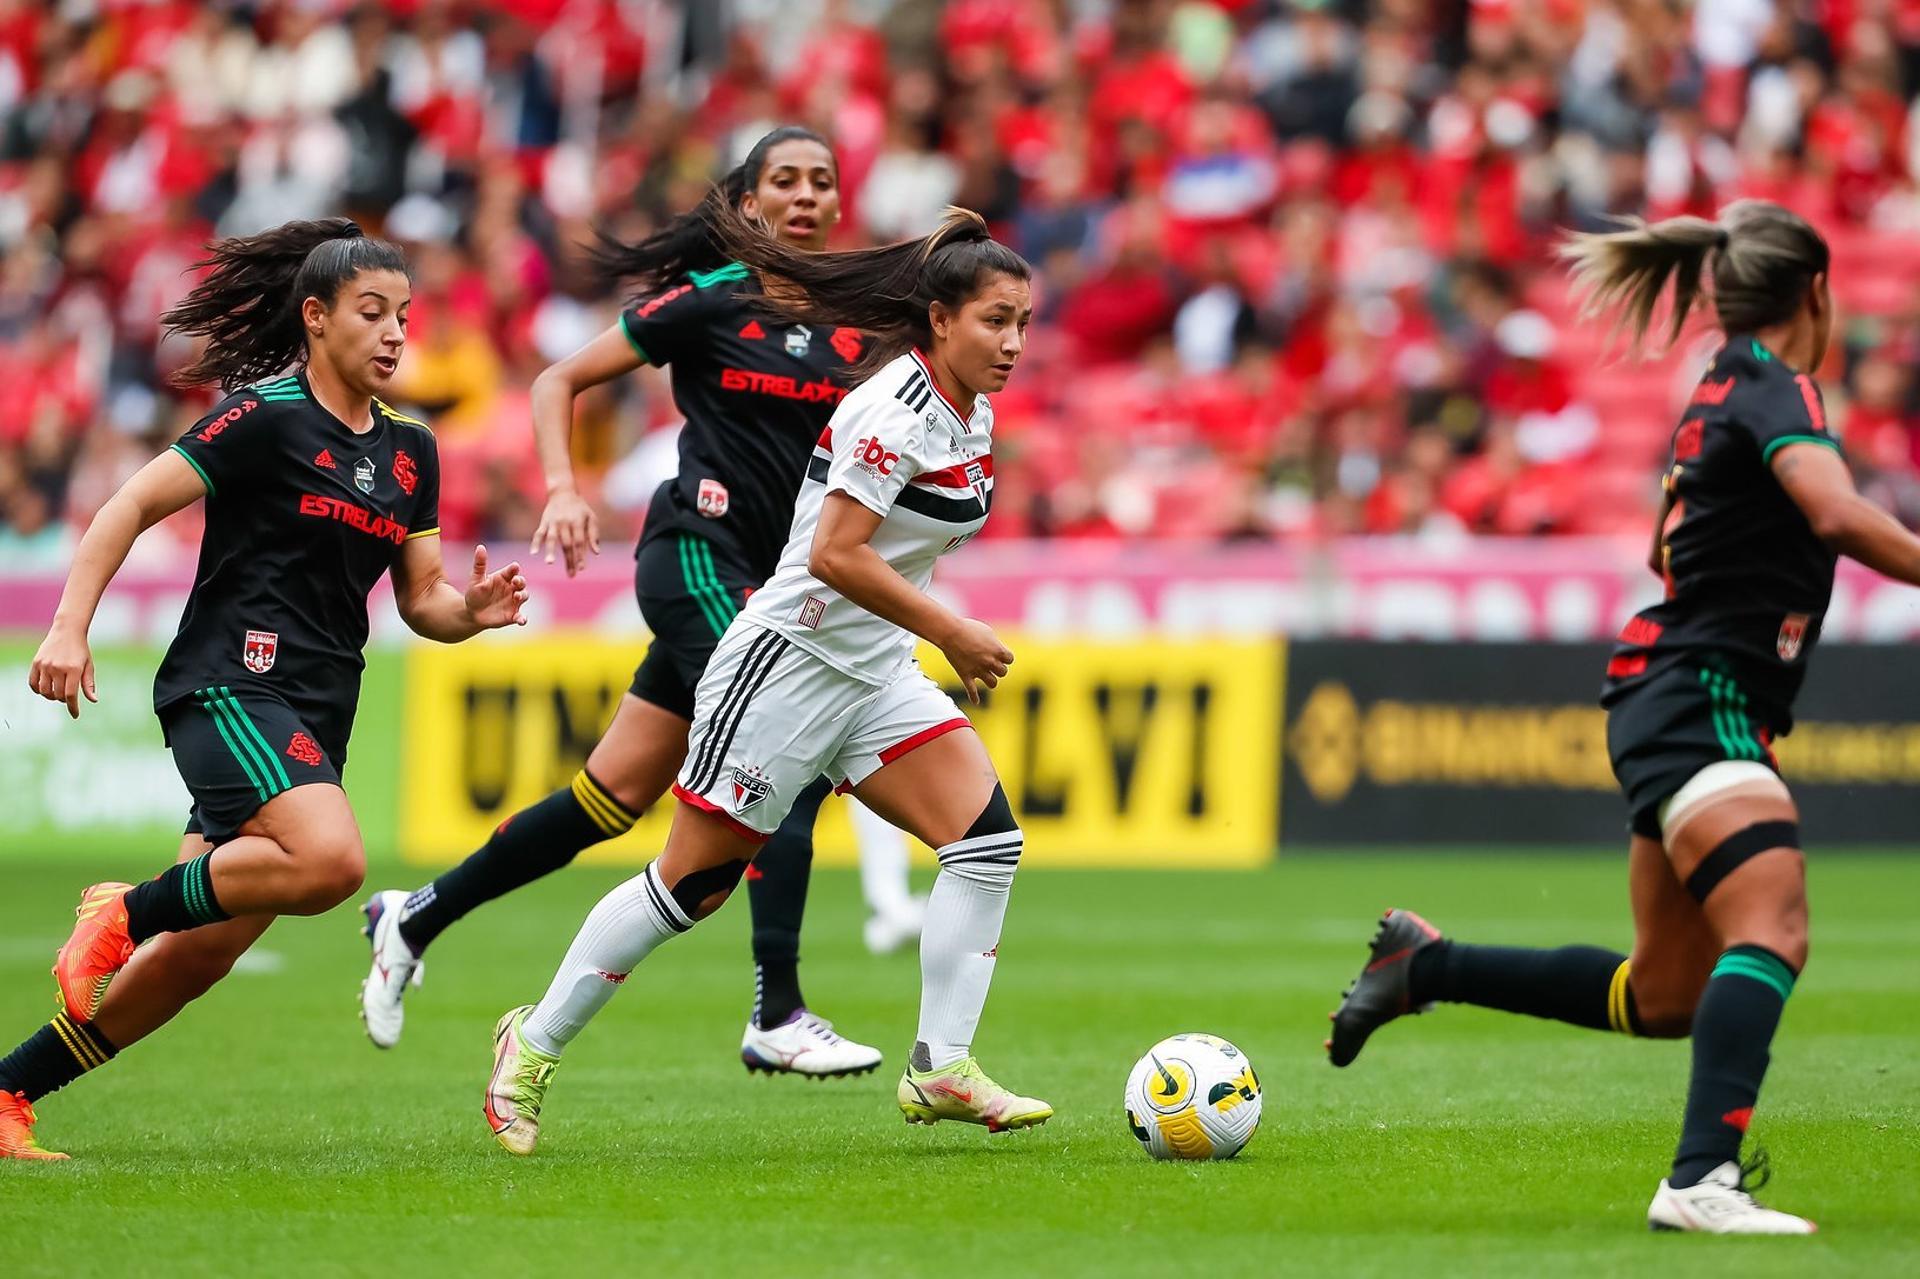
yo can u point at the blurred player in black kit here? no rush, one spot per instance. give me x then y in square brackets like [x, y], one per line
[1759, 504]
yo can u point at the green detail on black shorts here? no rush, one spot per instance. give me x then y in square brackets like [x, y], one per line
[633, 341]
[1766, 454]
[703, 583]
[719, 275]
[237, 730]
[199, 470]
[1730, 722]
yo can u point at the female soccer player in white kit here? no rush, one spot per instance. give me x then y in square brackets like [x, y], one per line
[817, 674]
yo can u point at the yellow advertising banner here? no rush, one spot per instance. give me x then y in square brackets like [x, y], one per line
[1139, 753]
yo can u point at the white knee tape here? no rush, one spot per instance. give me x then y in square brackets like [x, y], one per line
[1713, 784]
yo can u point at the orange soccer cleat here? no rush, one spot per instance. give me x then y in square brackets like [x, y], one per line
[16, 1130]
[98, 949]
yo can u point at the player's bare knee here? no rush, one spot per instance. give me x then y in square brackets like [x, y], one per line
[331, 870]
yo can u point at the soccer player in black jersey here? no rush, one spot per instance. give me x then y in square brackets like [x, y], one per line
[1759, 503]
[314, 489]
[756, 394]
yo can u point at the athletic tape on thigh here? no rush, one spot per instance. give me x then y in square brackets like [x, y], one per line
[994, 839]
[1712, 785]
[1736, 849]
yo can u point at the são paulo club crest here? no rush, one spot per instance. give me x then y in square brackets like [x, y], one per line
[262, 647]
[750, 786]
[1793, 634]
[363, 475]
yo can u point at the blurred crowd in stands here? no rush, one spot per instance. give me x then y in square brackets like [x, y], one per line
[1296, 274]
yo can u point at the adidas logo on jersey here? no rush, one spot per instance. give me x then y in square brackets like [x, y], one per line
[753, 332]
[324, 460]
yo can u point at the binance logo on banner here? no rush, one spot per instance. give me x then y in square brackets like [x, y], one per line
[1148, 753]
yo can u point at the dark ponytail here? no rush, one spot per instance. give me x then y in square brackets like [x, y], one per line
[692, 241]
[248, 306]
[1760, 256]
[885, 292]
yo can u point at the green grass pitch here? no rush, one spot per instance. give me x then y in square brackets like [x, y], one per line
[261, 1134]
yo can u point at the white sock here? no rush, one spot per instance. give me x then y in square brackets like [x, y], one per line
[960, 942]
[621, 931]
[883, 861]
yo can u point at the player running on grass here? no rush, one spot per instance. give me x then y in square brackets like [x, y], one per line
[1759, 503]
[817, 674]
[756, 394]
[314, 489]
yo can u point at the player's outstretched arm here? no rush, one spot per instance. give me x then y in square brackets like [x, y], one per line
[436, 609]
[1818, 481]
[568, 523]
[62, 669]
[844, 560]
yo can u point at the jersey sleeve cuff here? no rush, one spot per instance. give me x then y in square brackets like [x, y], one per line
[633, 341]
[1766, 455]
[198, 469]
[874, 504]
[425, 532]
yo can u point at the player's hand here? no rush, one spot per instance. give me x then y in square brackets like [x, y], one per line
[569, 524]
[63, 669]
[494, 599]
[977, 656]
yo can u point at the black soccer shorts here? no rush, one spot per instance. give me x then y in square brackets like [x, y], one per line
[236, 751]
[689, 591]
[1663, 730]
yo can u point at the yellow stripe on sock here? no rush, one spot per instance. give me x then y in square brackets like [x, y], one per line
[1617, 1000]
[605, 811]
[83, 1051]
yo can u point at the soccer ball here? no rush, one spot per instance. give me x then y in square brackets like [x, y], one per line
[1193, 1097]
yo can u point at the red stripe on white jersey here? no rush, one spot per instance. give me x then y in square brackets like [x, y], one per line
[955, 476]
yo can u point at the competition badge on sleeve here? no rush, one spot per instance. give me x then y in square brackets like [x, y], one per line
[714, 499]
[1793, 633]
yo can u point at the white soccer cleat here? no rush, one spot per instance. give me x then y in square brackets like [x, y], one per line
[888, 930]
[395, 967]
[805, 1045]
[1718, 1204]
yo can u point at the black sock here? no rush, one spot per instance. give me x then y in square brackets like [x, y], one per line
[1732, 1033]
[538, 839]
[777, 891]
[1583, 985]
[53, 1057]
[181, 898]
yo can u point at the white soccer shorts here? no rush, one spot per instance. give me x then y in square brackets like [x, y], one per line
[770, 717]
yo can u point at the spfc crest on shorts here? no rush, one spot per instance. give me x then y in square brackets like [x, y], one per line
[749, 788]
[1793, 634]
[363, 475]
[262, 647]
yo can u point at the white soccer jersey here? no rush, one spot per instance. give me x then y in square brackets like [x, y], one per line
[900, 448]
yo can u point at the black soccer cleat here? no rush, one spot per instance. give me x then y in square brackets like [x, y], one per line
[1383, 990]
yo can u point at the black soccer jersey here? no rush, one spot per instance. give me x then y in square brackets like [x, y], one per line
[756, 394]
[1746, 577]
[303, 516]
